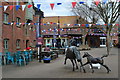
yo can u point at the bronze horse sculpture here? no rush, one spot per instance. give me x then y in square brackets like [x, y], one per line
[91, 60]
[70, 55]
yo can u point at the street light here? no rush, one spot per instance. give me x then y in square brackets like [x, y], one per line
[38, 35]
[59, 41]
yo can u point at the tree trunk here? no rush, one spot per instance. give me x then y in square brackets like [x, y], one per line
[108, 43]
[83, 40]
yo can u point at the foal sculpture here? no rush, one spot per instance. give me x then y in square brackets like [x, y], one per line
[91, 60]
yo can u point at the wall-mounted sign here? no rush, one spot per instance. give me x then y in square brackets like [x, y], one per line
[40, 41]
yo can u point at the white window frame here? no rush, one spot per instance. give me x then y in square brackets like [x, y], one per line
[6, 41]
[17, 2]
[101, 39]
[6, 0]
[6, 18]
[18, 21]
[18, 43]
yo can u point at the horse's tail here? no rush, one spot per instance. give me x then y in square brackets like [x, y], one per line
[103, 56]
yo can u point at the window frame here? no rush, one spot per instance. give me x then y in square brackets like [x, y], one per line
[6, 18]
[18, 21]
[18, 43]
[6, 43]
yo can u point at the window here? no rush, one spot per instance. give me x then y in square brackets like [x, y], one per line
[102, 41]
[18, 43]
[6, 43]
[6, 0]
[5, 18]
[17, 2]
[18, 21]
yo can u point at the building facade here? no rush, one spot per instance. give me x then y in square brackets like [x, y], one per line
[18, 31]
[95, 37]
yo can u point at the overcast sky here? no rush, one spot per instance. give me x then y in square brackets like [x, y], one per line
[58, 10]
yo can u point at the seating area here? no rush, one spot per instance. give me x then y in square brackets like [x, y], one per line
[18, 58]
[21, 58]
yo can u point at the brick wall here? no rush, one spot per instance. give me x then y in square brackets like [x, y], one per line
[12, 32]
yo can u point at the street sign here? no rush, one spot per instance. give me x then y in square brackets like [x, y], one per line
[40, 41]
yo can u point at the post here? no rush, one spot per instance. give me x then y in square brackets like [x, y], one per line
[38, 31]
[59, 41]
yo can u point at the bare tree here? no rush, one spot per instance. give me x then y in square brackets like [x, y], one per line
[89, 15]
[109, 13]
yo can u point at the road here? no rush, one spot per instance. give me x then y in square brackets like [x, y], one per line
[56, 69]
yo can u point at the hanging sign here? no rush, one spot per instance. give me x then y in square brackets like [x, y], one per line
[40, 41]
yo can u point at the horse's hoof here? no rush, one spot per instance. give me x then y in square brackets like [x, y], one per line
[84, 71]
[108, 71]
[92, 71]
[76, 67]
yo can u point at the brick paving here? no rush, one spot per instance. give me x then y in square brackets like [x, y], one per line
[56, 69]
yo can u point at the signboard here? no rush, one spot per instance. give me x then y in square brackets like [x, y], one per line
[40, 41]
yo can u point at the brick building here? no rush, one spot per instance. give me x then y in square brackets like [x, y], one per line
[17, 29]
[64, 22]
[97, 39]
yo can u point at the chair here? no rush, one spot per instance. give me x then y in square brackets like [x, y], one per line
[30, 55]
[9, 58]
[19, 59]
[26, 55]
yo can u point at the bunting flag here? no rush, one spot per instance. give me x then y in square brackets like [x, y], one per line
[81, 2]
[17, 7]
[52, 5]
[104, 1]
[23, 7]
[87, 25]
[29, 6]
[79, 24]
[5, 7]
[113, 24]
[90, 25]
[68, 24]
[74, 4]
[11, 7]
[59, 3]
[11, 23]
[38, 6]
[97, 2]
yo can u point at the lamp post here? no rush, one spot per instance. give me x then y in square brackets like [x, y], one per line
[58, 27]
[59, 41]
[40, 15]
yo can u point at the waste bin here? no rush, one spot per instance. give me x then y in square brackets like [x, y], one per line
[46, 60]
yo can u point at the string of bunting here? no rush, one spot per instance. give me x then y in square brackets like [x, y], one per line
[53, 4]
[76, 30]
[51, 23]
